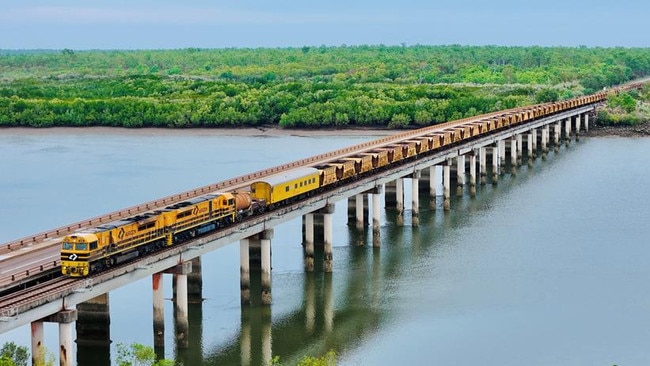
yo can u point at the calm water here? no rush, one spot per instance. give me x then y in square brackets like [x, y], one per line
[550, 267]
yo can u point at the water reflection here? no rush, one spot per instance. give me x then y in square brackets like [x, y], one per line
[339, 320]
[192, 352]
[339, 309]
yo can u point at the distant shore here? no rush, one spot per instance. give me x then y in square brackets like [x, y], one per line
[251, 131]
[639, 130]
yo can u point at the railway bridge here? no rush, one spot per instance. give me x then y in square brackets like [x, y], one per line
[467, 150]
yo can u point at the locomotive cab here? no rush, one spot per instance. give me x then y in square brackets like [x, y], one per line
[75, 254]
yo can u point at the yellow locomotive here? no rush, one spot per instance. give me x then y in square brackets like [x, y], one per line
[94, 249]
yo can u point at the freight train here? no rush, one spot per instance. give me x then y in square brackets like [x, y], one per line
[95, 249]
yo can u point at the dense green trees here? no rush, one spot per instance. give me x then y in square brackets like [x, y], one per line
[628, 108]
[298, 87]
[13, 355]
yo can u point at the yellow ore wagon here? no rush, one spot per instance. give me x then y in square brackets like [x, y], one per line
[286, 186]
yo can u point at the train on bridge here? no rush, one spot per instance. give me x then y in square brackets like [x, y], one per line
[92, 250]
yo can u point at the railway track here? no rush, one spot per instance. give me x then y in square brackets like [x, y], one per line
[34, 295]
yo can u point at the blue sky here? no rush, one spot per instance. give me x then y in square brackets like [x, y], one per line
[156, 24]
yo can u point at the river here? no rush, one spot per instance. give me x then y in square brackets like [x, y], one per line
[548, 267]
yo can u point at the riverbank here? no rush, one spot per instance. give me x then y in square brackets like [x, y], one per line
[640, 130]
[266, 131]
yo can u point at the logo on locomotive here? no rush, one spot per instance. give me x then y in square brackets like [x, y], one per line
[122, 233]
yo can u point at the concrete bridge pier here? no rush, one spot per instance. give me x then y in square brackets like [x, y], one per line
[482, 165]
[446, 172]
[544, 138]
[495, 164]
[195, 282]
[390, 196]
[375, 216]
[427, 184]
[399, 186]
[158, 311]
[529, 147]
[586, 122]
[513, 156]
[358, 210]
[308, 222]
[327, 213]
[520, 148]
[577, 133]
[533, 136]
[460, 174]
[567, 131]
[431, 174]
[425, 178]
[65, 318]
[472, 174]
[265, 242]
[181, 319]
[556, 136]
[362, 210]
[415, 198]
[262, 242]
[435, 177]
[38, 348]
[358, 214]
[501, 144]
[394, 198]
[93, 331]
[245, 271]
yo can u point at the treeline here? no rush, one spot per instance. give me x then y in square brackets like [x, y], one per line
[166, 103]
[626, 109]
[375, 86]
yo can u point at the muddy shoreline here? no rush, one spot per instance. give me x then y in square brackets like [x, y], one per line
[640, 130]
[251, 131]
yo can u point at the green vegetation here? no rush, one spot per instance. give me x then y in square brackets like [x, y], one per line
[138, 355]
[333, 87]
[626, 109]
[133, 355]
[14, 355]
[329, 359]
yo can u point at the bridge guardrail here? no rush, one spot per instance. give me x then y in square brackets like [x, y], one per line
[23, 276]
